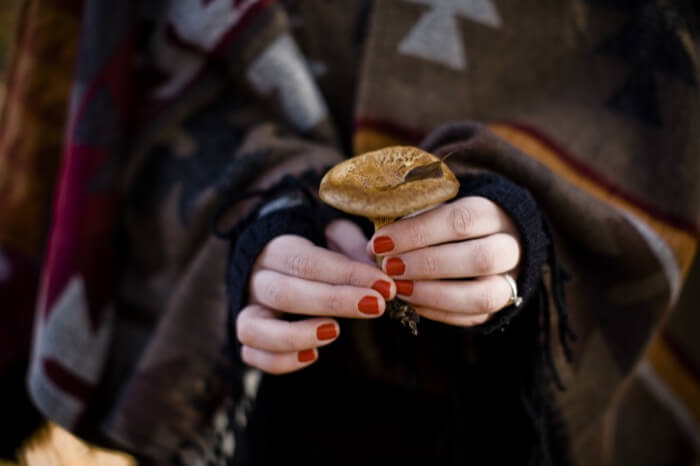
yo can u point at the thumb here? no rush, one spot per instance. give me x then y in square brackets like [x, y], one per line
[345, 237]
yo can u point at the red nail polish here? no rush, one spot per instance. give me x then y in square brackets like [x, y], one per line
[395, 266]
[383, 244]
[383, 287]
[369, 305]
[306, 355]
[326, 332]
[404, 287]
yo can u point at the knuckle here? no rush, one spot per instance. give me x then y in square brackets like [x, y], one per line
[441, 297]
[334, 304]
[275, 295]
[430, 265]
[483, 258]
[289, 338]
[513, 249]
[352, 276]
[246, 356]
[244, 331]
[486, 301]
[299, 264]
[416, 234]
[461, 220]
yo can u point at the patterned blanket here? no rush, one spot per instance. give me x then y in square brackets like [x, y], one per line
[592, 105]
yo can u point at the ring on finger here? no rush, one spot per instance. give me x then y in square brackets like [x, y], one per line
[514, 299]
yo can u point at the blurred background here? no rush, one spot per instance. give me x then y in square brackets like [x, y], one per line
[38, 42]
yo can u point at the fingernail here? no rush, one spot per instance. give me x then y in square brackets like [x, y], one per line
[383, 244]
[383, 287]
[306, 355]
[369, 305]
[404, 287]
[326, 332]
[395, 266]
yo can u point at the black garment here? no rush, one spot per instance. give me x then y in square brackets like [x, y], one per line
[449, 396]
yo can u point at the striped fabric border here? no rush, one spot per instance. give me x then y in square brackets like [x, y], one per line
[680, 236]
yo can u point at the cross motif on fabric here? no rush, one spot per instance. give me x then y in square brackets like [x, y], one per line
[436, 36]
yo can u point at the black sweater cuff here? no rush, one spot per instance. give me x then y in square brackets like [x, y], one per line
[252, 234]
[254, 238]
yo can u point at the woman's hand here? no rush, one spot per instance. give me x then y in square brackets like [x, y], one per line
[294, 276]
[471, 239]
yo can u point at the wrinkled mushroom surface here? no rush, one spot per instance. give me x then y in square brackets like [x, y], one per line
[374, 184]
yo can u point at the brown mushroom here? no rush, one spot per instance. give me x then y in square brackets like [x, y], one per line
[385, 185]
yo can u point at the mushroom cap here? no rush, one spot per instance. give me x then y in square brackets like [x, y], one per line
[373, 184]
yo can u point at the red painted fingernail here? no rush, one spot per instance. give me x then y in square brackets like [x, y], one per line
[404, 287]
[369, 305]
[383, 287]
[326, 332]
[395, 266]
[306, 355]
[383, 244]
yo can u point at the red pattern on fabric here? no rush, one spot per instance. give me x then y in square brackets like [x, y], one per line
[81, 241]
[78, 240]
[252, 11]
[110, 77]
[66, 379]
[154, 107]
[115, 79]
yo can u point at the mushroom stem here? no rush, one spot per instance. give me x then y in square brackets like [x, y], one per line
[381, 221]
[378, 223]
[397, 308]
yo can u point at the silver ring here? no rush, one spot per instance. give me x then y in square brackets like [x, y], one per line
[514, 299]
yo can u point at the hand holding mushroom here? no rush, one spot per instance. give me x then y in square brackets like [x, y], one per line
[294, 276]
[470, 241]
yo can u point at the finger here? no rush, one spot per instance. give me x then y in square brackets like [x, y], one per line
[298, 296]
[299, 257]
[483, 295]
[452, 318]
[278, 363]
[491, 255]
[348, 239]
[260, 328]
[466, 218]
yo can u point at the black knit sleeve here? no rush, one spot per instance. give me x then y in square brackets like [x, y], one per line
[288, 208]
[522, 208]
[302, 221]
